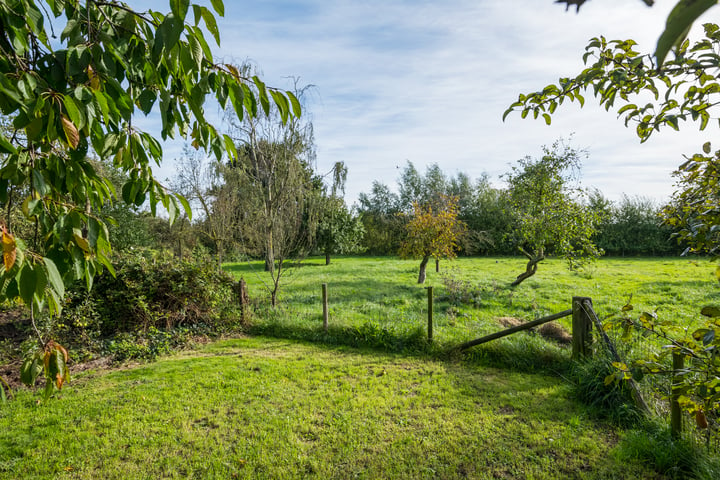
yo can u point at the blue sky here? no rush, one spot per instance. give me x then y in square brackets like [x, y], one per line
[428, 81]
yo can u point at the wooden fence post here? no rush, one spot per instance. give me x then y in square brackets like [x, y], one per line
[675, 411]
[430, 313]
[244, 301]
[581, 328]
[325, 306]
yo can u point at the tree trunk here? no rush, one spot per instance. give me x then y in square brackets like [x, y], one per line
[327, 258]
[437, 265]
[531, 267]
[269, 253]
[423, 265]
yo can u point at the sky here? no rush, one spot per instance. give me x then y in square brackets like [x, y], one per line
[428, 81]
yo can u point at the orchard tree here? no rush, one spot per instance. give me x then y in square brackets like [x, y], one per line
[547, 209]
[695, 207]
[380, 213]
[80, 92]
[432, 233]
[339, 231]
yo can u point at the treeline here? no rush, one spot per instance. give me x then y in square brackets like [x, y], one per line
[631, 226]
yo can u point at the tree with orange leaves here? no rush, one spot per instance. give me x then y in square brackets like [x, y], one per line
[433, 233]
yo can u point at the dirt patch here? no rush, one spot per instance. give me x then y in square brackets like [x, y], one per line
[549, 331]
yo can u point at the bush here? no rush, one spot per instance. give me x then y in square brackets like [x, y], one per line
[133, 314]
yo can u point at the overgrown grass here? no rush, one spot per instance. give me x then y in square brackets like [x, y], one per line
[263, 408]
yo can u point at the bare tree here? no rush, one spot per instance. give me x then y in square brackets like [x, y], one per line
[205, 183]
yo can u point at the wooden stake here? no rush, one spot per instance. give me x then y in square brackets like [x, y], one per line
[430, 313]
[325, 306]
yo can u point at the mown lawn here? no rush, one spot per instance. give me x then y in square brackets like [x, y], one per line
[268, 408]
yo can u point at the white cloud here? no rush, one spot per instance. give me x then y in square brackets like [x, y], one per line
[428, 81]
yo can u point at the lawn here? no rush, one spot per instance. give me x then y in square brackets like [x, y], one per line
[269, 408]
[279, 406]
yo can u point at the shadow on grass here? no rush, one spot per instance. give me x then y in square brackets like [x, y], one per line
[529, 354]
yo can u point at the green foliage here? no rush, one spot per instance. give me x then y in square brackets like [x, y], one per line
[618, 73]
[698, 383]
[80, 93]
[549, 216]
[338, 230]
[653, 444]
[631, 226]
[153, 296]
[695, 207]
[612, 401]
[380, 214]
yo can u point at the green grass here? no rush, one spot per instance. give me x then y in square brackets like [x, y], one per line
[270, 408]
[264, 408]
[380, 294]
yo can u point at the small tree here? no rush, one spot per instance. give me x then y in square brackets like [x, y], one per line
[339, 231]
[549, 217]
[433, 234]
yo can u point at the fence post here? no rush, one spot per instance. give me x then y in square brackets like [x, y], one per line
[430, 313]
[325, 306]
[244, 301]
[581, 328]
[675, 411]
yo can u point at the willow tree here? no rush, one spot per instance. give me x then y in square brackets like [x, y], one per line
[74, 77]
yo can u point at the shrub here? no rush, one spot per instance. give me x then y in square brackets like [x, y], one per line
[133, 314]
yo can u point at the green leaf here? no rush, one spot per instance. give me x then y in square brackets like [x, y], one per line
[210, 23]
[547, 118]
[54, 276]
[6, 146]
[297, 109]
[185, 205]
[26, 283]
[678, 24]
[218, 7]
[180, 8]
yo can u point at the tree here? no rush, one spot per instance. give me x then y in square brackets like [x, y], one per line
[549, 217]
[207, 184]
[692, 92]
[339, 231]
[277, 188]
[695, 208]
[81, 92]
[380, 214]
[432, 234]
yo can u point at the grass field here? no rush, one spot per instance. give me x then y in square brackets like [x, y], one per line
[262, 407]
[381, 294]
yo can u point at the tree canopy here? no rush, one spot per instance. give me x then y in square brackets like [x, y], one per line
[547, 208]
[77, 92]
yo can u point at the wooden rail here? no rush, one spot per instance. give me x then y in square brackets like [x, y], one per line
[510, 331]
